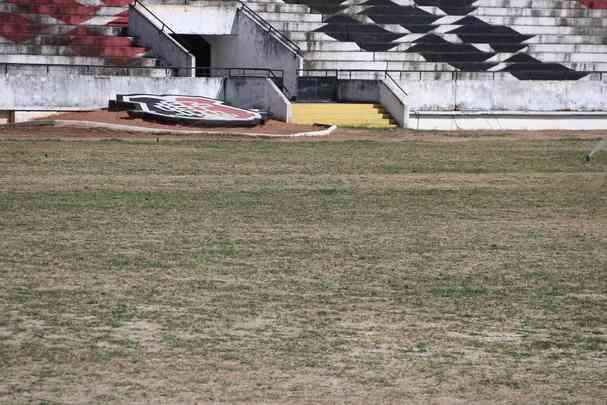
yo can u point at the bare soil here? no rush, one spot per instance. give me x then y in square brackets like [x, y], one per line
[272, 127]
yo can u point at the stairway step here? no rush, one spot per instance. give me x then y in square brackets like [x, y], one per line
[68, 19]
[74, 50]
[78, 60]
[76, 9]
[342, 114]
[67, 3]
[84, 70]
[70, 40]
[59, 29]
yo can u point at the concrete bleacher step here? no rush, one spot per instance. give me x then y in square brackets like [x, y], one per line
[558, 46]
[577, 21]
[77, 39]
[68, 19]
[74, 50]
[60, 9]
[453, 5]
[109, 70]
[549, 39]
[525, 29]
[67, 36]
[59, 29]
[342, 114]
[77, 60]
[446, 67]
[320, 37]
[452, 57]
[92, 3]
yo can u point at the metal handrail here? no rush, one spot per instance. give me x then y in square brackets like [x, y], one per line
[396, 83]
[259, 20]
[230, 71]
[270, 28]
[164, 25]
[454, 73]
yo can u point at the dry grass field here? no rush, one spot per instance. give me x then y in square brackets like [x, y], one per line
[462, 270]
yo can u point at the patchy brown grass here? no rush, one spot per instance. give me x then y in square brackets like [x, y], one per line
[358, 271]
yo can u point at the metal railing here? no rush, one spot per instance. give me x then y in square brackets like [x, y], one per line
[396, 83]
[158, 19]
[262, 22]
[115, 70]
[453, 74]
[270, 28]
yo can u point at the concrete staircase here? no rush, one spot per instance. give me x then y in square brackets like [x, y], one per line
[69, 35]
[343, 115]
[430, 39]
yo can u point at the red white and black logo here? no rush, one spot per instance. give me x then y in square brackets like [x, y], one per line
[187, 110]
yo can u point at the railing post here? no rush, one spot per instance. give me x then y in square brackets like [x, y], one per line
[12, 117]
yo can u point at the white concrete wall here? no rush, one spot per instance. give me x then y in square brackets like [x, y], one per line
[251, 46]
[203, 18]
[394, 101]
[258, 93]
[489, 95]
[90, 92]
[455, 120]
[149, 34]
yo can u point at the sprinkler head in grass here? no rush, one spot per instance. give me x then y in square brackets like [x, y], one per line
[588, 157]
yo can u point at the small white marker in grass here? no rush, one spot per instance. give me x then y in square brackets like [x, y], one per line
[601, 145]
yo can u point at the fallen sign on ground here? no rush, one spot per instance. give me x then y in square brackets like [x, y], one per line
[186, 110]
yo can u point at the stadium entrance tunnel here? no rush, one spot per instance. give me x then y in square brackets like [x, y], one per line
[214, 34]
[200, 48]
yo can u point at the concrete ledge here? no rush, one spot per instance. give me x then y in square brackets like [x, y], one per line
[159, 131]
[507, 120]
[394, 101]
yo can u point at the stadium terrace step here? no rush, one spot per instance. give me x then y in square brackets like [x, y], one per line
[68, 3]
[426, 66]
[70, 40]
[74, 50]
[500, 19]
[344, 26]
[556, 46]
[98, 70]
[313, 37]
[24, 29]
[529, 39]
[54, 9]
[342, 114]
[68, 19]
[450, 57]
[595, 4]
[78, 60]
[60, 35]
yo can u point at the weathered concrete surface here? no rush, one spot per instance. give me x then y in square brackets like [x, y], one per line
[258, 93]
[489, 95]
[149, 34]
[394, 101]
[90, 92]
[252, 46]
[507, 120]
[25, 91]
[203, 18]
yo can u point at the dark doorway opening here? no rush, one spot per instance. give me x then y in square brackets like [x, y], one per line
[201, 50]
